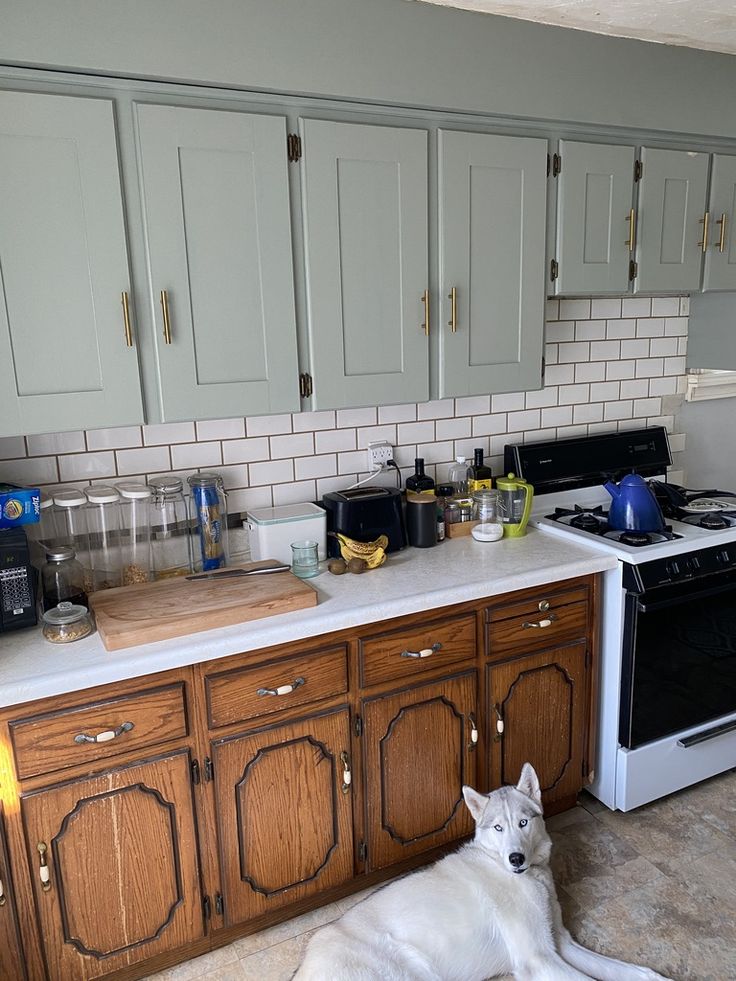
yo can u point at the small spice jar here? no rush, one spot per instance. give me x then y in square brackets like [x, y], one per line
[66, 623]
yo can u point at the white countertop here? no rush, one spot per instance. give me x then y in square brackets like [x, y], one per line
[410, 581]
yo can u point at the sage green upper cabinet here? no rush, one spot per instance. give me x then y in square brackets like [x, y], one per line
[218, 238]
[364, 198]
[672, 198]
[594, 218]
[492, 217]
[66, 360]
[720, 257]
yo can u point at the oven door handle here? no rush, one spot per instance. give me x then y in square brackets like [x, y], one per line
[651, 606]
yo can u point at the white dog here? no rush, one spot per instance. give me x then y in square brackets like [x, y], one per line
[488, 909]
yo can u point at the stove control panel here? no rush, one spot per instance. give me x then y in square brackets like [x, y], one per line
[680, 568]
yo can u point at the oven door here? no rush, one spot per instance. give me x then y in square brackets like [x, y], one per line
[679, 658]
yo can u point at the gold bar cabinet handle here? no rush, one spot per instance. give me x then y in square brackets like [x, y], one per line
[167, 320]
[703, 243]
[43, 868]
[425, 301]
[631, 241]
[452, 297]
[722, 237]
[126, 320]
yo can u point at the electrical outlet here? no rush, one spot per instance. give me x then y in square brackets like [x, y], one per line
[379, 453]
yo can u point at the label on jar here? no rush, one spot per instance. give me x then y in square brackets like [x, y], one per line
[476, 485]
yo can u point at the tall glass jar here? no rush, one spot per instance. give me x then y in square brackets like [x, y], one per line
[103, 517]
[135, 500]
[62, 578]
[42, 534]
[170, 544]
[70, 515]
[208, 511]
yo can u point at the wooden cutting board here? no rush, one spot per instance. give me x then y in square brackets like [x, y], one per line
[151, 611]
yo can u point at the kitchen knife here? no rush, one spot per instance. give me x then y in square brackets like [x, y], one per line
[235, 573]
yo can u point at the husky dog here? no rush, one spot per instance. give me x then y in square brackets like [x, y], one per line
[488, 909]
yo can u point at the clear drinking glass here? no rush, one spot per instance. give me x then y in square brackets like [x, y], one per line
[304, 559]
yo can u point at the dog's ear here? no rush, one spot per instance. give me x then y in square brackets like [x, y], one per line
[529, 784]
[476, 803]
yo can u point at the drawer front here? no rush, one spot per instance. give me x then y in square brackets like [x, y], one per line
[545, 622]
[272, 686]
[95, 731]
[402, 654]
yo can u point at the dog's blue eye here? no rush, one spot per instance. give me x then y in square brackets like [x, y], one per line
[497, 827]
[523, 823]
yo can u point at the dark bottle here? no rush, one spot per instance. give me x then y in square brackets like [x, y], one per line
[479, 475]
[420, 482]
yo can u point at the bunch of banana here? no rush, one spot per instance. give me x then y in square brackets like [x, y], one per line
[372, 553]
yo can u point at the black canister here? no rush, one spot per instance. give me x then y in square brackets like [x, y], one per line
[421, 519]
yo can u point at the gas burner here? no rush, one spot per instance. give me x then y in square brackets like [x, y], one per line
[635, 538]
[586, 521]
[592, 520]
[711, 520]
[715, 521]
[640, 539]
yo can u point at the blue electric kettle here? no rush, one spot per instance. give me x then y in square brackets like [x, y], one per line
[633, 505]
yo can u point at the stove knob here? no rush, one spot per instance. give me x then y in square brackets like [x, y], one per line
[688, 568]
[723, 557]
[694, 564]
[672, 569]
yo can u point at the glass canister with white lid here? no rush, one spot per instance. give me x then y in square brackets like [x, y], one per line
[103, 518]
[42, 533]
[70, 517]
[170, 544]
[62, 578]
[135, 532]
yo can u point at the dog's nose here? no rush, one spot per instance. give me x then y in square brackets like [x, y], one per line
[516, 859]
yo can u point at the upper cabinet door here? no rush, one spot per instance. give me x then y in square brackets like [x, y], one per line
[492, 192]
[217, 224]
[364, 191]
[594, 218]
[671, 210]
[720, 258]
[65, 359]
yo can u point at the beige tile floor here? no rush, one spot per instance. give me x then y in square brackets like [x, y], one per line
[655, 886]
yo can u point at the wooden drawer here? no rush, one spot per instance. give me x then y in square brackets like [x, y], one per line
[53, 740]
[543, 620]
[272, 686]
[402, 654]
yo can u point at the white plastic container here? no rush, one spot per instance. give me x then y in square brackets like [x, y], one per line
[272, 530]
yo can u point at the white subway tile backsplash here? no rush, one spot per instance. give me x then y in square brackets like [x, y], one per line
[489, 425]
[138, 461]
[245, 499]
[677, 442]
[433, 453]
[684, 306]
[245, 450]
[636, 306]
[507, 402]
[636, 388]
[587, 412]
[311, 467]
[552, 353]
[311, 421]
[620, 369]
[559, 374]
[590, 371]
[647, 407]
[663, 386]
[571, 394]
[604, 391]
[665, 306]
[274, 472]
[652, 327]
[606, 309]
[415, 432]
[221, 429]
[542, 398]
[298, 444]
[233, 477]
[563, 330]
[527, 419]
[606, 350]
[296, 493]
[169, 432]
[52, 444]
[354, 462]
[616, 329]
[442, 409]
[12, 447]
[373, 434]
[638, 348]
[335, 440]
[663, 346]
[675, 326]
[560, 415]
[574, 309]
[577, 351]
[618, 410]
[326, 485]
[119, 438]
[649, 367]
[568, 432]
[473, 405]
[41, 470]
[87, 466]
[268, 425]
[193, 456]
[553, 310]
[352, 418]
[674, 366]
[453, 428]
[590, 330]
[397, 413]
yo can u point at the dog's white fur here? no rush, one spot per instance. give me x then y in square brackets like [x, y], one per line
[488, 909]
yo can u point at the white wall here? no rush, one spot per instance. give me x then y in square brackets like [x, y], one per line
[710, 452]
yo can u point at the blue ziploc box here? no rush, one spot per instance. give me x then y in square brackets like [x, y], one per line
[19, 505]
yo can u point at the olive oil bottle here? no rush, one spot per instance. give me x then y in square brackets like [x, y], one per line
[420, 482]
[479, 475]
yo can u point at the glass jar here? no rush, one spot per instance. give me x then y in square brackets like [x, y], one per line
[170, 545]
[62, 578]
[42, 534]
[66, 623]
[486, 513]
[208, 513]
[70, 517]
[135, 544]
[103, 518]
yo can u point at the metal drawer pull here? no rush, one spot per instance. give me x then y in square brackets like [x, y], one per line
[425, 301]
[126, 320]
[499, 724]
[166, 316]
[452, 322]
[631, 240]
[43, 868]
[425, 651]
[703, 243]
[546, 622]
[347, 776]
[106, 736]
[2, 894]
[282, 689]
[722, 237]
[473, 731]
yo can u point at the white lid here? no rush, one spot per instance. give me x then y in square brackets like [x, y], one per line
[102, 494]
[69, 499]
[45, 502]
[460, 459]
[287, 512]
[134, 491]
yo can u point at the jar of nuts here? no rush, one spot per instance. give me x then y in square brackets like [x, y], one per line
[66, 623]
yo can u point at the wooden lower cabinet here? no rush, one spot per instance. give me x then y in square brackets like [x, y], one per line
[121, 877]
[11, 953]
[539, 701]
[419, 751]
[284, 813]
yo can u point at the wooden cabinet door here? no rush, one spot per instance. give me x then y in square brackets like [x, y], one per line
[720, 258]
[122, 864]
[492, 220]
[284, 811]
[11, 952]
[672, 202]
[64, 360]
[541, 699]
[594, 198]
[364, 194]
[418, 751]
[216, 202]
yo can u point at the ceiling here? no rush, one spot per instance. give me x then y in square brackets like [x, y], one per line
[707, 24]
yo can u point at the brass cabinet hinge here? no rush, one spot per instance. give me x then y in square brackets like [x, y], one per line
[554, 270]
[362, 852]
[633, 270]
[638, 170]
[194, 769]
[219, 904]
[305, 385]
[556, 164]
[209, 770]
[293, 147]
[358, 726]
[207, 908]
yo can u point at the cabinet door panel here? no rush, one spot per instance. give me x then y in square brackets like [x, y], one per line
[541, 699]
[671, 207]
[418, 754]
[12, 964]
[492, 248]
[594, 201]
[365, 216]
[124, 876]
[216, 203]
[720, 259]
[64, 362]
[285, 821]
